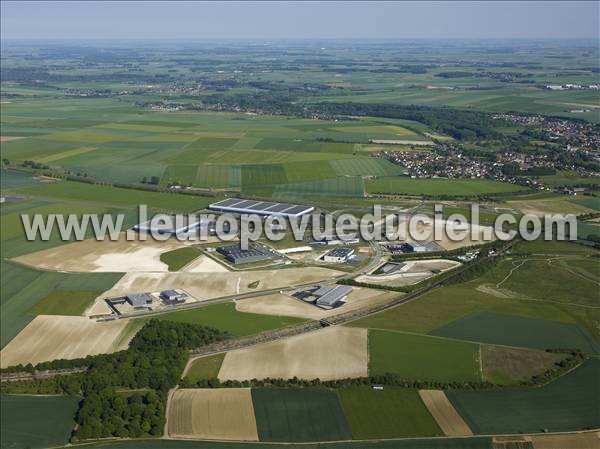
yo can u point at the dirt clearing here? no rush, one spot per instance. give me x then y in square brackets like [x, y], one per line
[9, 138]
[205, 264]
[583, 440]
[91, 255]
[213, 414]
[409, 273]
[334, 352]
[444, 413]
[283, 305]
[50, 337]
[203, 286]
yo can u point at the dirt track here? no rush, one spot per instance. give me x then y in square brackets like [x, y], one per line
[444, 413]
[50, 337]
[214, 414]
[330, 353]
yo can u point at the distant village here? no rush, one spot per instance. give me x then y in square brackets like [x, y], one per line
[451, 160]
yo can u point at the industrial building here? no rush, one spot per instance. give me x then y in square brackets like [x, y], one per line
[330, 240]
[420, 247]
[338, 255]
[236, 255]
[264, 208]
[173, 297]
[175, 225]
[330, 297]
[139, 299]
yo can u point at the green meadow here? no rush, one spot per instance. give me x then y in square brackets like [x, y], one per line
[438, 187]
[225, 317]
[495, 328]
[37, 421]
[288, 414]
[568, 403]
[422, 357]
[389, 413]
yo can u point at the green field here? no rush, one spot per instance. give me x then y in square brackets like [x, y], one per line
[37, 421]
[205, 368]
[23, 288]
[438, 187]
[568, 403]
[299, 415]
[179, 258]
[225, 317]
[495, 328]
[64, 302]
[388, 413]
[571, 269]
[419, 443]
[13, 238]
[422, 357]
[115, 196]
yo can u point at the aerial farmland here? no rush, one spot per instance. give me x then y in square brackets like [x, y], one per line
[455, 316]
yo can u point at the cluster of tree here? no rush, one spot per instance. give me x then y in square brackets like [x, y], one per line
[355, 283]
[109, 413]
[68, 384]
[513, 169]
[574, 358]
[154, 361]
[34, 165]
[460, 124]
[154, 180]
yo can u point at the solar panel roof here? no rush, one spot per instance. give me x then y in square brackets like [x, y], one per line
[227, 202]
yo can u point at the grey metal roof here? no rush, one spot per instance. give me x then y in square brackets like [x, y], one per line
[334, 295]
[173, 293]
[139, 299]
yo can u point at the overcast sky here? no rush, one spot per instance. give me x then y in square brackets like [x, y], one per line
[292, 20]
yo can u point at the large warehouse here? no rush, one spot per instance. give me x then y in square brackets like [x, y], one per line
[329, 297]
[239, 206]
[174, 225]
[237, 255]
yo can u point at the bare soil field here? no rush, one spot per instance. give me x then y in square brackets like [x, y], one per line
[203, 286]
[444, 413]
[410, 273]
[205, 264]
[103, 256]
[212, 414]
[9, 138]
[50, 337]
[580, 440]
[334, 352]
[445, 242]
[283, 305]
[549, 206]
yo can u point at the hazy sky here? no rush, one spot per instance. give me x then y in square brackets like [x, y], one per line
[269, 20]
